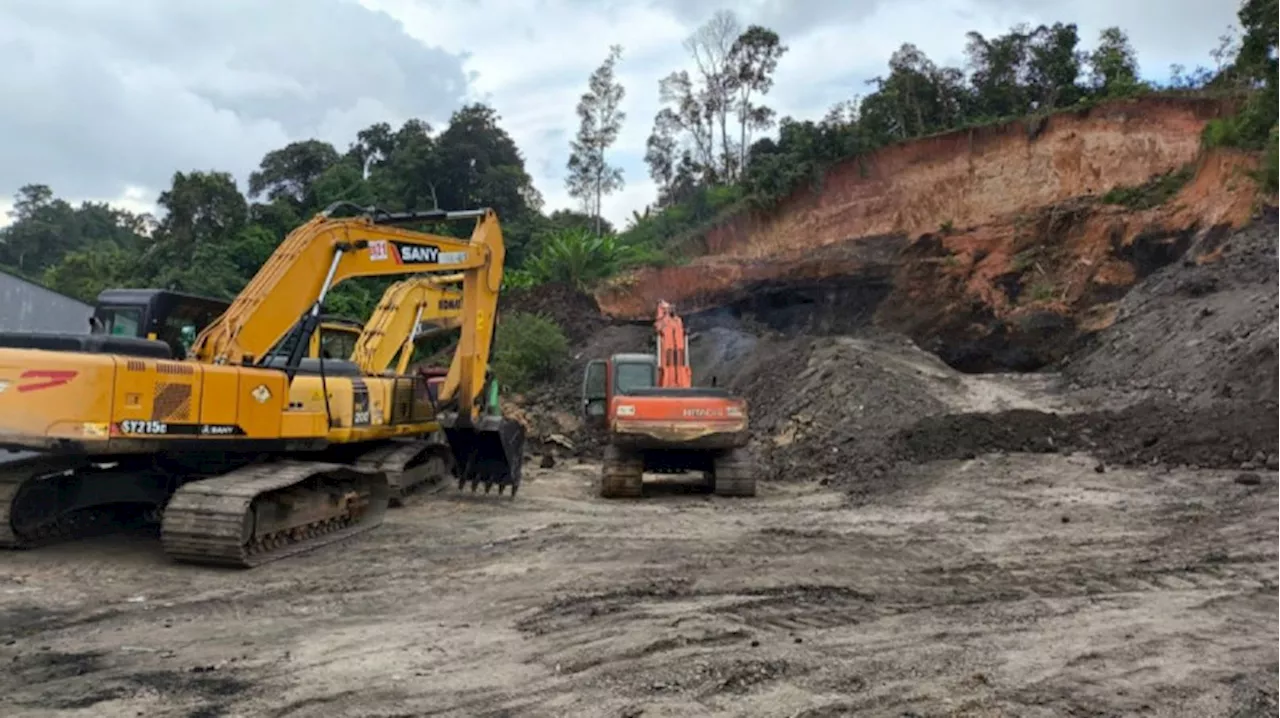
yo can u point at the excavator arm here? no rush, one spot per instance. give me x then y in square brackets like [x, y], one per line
[290, 288]
[673, 348]
[395, 324]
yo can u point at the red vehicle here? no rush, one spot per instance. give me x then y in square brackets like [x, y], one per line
[657, 421]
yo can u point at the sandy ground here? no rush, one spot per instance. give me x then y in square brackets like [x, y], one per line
[1003, 585]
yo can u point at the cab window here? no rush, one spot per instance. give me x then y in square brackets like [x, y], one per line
[628, 377]
[121, 322]
[183, 324]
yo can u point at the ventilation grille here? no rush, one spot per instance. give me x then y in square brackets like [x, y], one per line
[172, 402]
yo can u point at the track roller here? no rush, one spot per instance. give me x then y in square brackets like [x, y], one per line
[408, 464]
[265, 512]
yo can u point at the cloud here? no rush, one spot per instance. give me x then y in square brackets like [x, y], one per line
[102, 96]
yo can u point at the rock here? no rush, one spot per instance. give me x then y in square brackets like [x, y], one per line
[560, 440]
[1273, 462]
[1101, 468]
[548, 461]
[1248, 479]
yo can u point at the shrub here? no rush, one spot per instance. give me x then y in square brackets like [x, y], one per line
[577, 258]
[1269, 173]
[529, 348]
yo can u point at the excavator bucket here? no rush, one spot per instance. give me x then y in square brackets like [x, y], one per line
[490, 453]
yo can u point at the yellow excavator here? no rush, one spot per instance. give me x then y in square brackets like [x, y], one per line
[248, 453]
[408, 311]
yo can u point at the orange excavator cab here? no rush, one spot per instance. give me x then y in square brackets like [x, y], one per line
[658, 422]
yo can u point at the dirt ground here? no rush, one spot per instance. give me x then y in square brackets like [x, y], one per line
[1003, 585]
[925, 543]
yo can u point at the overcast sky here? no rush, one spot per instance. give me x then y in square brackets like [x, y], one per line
[105, 99]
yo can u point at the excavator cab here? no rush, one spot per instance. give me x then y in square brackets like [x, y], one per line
[174, 318]
[620, 375]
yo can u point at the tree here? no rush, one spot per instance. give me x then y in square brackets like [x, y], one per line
[590, 176]
[998, 68]
[288, 174]
[1114, 65]
[1256, 59]
[711, 46]
[753, 58]
[691, 132]
[191, 249]
[1053, 66]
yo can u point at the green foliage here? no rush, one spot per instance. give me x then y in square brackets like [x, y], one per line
[1253, 68]
[1041, 292]
[528, 348]
[211, 240]
[1269, 175]
[591, 177]
[577, 258]
[1152, 193]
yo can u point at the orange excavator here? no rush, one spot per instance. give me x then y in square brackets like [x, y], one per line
[658, 422]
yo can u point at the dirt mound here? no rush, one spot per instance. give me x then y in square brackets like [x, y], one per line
[823, 406]
[1202, 329]
[1222, 436]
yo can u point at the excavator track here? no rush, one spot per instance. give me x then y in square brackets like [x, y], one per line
[408, 465]
[265, 512]
[39, 503]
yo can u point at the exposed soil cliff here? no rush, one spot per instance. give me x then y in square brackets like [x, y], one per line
[995, 247]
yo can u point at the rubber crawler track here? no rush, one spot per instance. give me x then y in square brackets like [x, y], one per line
[204, 520]
[392, 460]
[13, 477]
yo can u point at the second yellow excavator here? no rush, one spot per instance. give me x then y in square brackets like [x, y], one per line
[408, 311]
[249, 454]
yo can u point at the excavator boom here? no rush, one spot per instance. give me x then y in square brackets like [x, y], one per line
[673, 348]
[397, 322]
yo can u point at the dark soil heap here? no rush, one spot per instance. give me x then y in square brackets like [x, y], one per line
[824, 406]
[1226, 435]
[1200, 330]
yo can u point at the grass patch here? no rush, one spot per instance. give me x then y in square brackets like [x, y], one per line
[1152, 193]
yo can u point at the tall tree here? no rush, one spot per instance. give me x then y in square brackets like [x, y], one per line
[998, 70]
[753, 58]
[691, 139]
[287, 174]
[711, 46]
[1054, 65]
[192, 249]
[1113, 64]
[1257, 59]
[590, 175]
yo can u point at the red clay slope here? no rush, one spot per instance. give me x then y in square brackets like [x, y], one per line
[970, 230]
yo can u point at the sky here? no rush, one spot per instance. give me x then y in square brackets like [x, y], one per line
[106, 99]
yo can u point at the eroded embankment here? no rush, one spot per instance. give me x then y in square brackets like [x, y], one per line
[994, 247]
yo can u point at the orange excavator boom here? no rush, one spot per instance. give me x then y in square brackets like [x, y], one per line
[673, 348]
